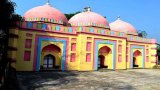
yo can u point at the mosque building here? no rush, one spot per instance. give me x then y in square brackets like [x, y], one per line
[46, 40]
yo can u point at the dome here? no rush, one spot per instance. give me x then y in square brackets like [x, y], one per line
[45, 13]
[88, 18]
[122, 26]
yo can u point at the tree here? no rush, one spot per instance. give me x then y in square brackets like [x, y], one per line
[7, 20]
[158, 52]
[69, 16]
[142, 34]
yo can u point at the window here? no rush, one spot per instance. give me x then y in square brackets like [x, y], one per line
[88, 46]
[120, 48]
[147, 59]
[73, 57]
[27, 55]
[147, 51]
[88, 57]
[28, 43]
[73, 47]
[119, 58]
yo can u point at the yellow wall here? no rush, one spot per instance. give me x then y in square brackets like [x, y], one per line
[121, 65]
[81, 41]
[22, 65]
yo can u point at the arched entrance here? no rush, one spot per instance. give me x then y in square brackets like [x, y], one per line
[104, 57]
[51, 58]
[137, 59]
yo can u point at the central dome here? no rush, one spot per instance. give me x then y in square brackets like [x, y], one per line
[88, 18]
[47, 12]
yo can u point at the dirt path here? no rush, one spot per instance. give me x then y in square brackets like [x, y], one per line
[135, 79]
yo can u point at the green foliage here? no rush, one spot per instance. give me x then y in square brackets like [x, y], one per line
[6, 11]
[15, 18]
[142, 34]
[69, 16]
[158, 50]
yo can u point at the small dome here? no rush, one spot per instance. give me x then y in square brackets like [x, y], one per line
[122, 26]
[45, 11]
[88, 18]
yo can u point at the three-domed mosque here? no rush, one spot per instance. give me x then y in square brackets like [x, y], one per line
[46, 40]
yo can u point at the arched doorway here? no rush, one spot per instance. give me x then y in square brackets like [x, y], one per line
[137, 59]
[51, 58]
[48, 62]
[104, 57]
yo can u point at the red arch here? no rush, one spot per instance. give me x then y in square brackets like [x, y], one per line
[137, 53]
[51, 48]
[104, 49]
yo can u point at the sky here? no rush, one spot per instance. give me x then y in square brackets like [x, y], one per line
[144, 15]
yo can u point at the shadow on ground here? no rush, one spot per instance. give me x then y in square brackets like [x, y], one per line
[33, 80]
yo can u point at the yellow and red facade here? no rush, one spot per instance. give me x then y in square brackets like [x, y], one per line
[53, 45]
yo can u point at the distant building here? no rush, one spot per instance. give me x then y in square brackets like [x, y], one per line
[46, 40]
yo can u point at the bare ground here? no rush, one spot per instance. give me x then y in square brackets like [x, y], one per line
[134, 79]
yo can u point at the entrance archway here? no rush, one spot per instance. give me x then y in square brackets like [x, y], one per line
[105, 57]
[137, 59]
[51, 58]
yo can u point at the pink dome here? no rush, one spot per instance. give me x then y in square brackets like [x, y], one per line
[88, 18]
[45, 11]
[122, 26]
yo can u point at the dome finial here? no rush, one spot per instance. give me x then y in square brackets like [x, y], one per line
[48, 2]
[87, 9]
[118, 17]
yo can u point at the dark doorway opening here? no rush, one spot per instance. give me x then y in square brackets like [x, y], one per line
[101, 61]
[134, 62]
[49, 63]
